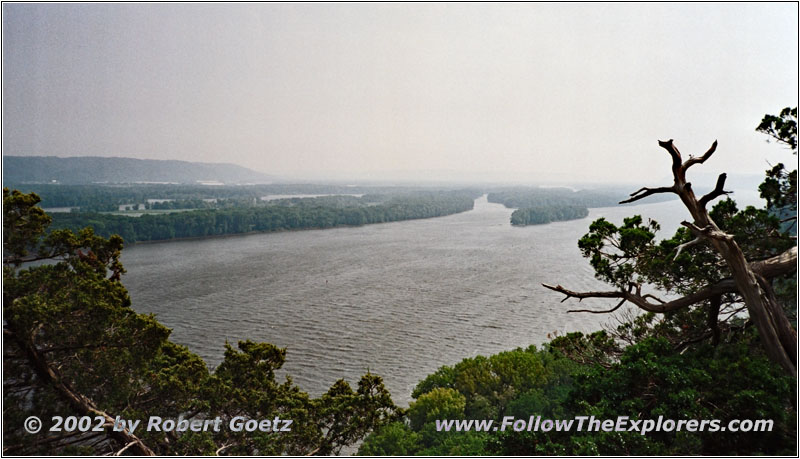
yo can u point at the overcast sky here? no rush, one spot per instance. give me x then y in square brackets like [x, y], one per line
[558, 92]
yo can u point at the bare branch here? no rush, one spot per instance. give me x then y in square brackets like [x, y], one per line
[647, 192]
[608, 311]
[119, 453]
[709, 232]
[581, 295]
[692, 160]
[31, 258]
[653, 297]
[784, 263]
[674, 153]
[680, 248]
[85, 346]
[682, 345]
[723, 286]
[718, 191]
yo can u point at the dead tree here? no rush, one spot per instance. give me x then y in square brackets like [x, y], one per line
[750, 280]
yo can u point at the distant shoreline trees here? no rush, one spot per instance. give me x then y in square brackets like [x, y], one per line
[308, 213]
[547, 214]
[536, 206]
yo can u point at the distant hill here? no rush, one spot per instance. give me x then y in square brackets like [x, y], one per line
[94, 169]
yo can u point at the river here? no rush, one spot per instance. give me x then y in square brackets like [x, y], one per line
[398, 299]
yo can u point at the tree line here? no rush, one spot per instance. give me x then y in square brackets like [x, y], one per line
[547, 214]
[308, 213]
[535, 206]
[530, 197]
[108, 197]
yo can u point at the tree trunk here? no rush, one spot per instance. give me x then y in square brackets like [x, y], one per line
[774, 328]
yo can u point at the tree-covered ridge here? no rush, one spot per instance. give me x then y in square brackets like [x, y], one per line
[94, 169]
[280, 215]
[547, 214]
[74, 347]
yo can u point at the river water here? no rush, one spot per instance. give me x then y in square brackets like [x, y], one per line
[398, 299]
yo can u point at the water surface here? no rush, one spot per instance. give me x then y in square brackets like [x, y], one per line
[400, 299]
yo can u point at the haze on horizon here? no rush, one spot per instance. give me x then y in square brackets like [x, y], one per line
[549, 92]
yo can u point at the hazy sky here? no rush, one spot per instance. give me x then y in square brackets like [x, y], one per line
[475, 91]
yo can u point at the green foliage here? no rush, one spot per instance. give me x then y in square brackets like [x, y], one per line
[421, 438]
[646, 380]
[780, 185]
[598, 348]
[782, 128]
[22, 224]
[489, 383]
[439, 403]
[476, 388]
[616, 253]
[394, 439]
[652, 380]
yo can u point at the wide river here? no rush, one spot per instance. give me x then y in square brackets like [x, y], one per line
[398, 299]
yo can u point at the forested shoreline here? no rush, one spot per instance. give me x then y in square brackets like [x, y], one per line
[547, 214]
[282, 215]
[536, 206]
[109, 197]
[539, 205]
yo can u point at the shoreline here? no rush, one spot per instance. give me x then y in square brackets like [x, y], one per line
[250, 233]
